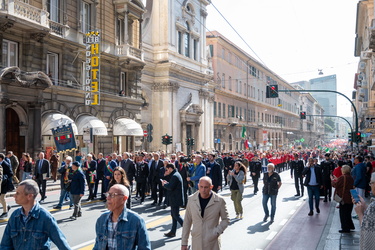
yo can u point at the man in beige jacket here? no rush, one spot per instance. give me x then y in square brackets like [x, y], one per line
[204, 211]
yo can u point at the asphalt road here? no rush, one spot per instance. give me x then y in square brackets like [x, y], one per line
[249, 233]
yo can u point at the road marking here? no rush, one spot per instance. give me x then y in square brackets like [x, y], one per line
[282, 223]
[299, 204]
[292, 211]
[271, 235]
[82, 245]
[150, 224]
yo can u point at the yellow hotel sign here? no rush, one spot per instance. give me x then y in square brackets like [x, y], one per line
[92, 71]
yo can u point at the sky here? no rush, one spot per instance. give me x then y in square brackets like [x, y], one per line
[294, 38]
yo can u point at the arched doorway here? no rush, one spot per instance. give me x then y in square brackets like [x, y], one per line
[14, 142]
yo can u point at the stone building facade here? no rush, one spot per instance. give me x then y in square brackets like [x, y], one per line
[176, 80]
[43, 62]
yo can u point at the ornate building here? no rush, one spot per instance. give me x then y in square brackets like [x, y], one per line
[46, 70]
[176, 80]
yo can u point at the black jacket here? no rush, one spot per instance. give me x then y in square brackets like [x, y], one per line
[45, 167]
[157, 170]
[307, 173]
[297, 167]
[255, 167]
[6, 184]
[215, 174]
[141, 172]
[175, 189]
[129, 167]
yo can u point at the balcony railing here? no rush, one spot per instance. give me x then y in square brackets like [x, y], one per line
[129, 51]
[25, 11]
[57, 28]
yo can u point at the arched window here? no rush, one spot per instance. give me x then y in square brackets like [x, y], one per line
[187, 40]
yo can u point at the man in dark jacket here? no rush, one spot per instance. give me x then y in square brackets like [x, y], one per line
[297, 167]
[327, 167]
[6, 184]
[314, 182]
[89, 167]
[100, 176]
[255, 170]
[228, 165]
[156, 174]
[176, 196]
[41, 174]
[213, 170]
[129, 166]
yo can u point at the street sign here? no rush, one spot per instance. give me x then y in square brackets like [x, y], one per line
[302, 140]
[149, 138]
[145, 133]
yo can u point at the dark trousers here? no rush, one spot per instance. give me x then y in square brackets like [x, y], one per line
[225, 177]
[141, 189]
[327, 190]
[346, 216]
[90, 187]
[42, 184]
[314, 192]
[298, 181]
[255, 181]
[156, 186]
[176, 217]
[100, 178]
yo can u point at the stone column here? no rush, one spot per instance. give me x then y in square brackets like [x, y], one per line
[35, 129]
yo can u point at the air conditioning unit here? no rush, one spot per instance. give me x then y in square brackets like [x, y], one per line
[366, 55]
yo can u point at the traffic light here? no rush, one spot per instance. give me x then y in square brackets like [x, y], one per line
[170, 139]
[165, 139]
[358, 137]
[302, 115]
[192, 141]
[350, 138]
[272, 91]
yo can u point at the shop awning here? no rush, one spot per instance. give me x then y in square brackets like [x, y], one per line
[124, 126]
[87, 121]
[54, 120]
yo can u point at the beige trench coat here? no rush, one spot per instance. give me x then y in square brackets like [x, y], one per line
[206, 231]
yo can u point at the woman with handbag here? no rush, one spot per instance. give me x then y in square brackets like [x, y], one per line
[342, 195]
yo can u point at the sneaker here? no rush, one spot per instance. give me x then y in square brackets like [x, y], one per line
[56, 207]
[73, 217]
[310, 213]
[272, 220]
[237, 216]
[241, 216]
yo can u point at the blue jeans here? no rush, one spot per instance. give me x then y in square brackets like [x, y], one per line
[176, 217]
[63, 194]
[313, 191]
[266, 197]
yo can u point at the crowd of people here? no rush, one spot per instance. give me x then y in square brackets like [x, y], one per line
[178, 181]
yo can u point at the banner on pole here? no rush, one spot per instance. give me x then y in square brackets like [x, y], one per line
[64, 138]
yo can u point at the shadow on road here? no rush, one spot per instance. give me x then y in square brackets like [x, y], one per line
[292, 198]
[259, 227]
